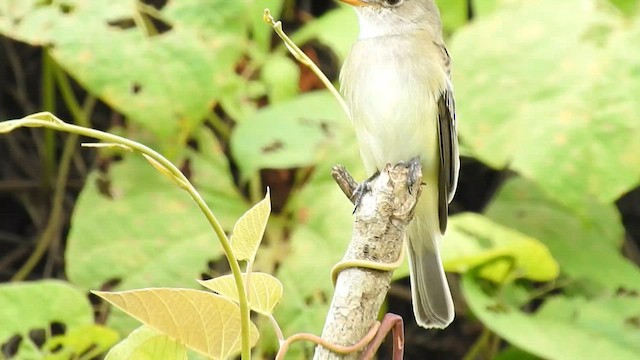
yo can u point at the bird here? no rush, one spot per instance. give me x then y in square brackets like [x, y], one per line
[396, 81]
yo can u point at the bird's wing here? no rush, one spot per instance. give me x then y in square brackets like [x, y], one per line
[448, 140]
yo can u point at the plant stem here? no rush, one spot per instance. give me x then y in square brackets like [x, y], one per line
[479, 346]
[80, 117]
[54, 223]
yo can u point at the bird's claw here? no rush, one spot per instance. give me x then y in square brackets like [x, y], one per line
[360, 190]
[414, 175]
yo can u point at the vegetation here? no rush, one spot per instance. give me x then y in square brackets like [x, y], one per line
[546, 95]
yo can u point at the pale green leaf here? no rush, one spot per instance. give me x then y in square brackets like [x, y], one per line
[292, 134]
[248, 231]
[513, 353]
[22, 307]
[473, 239]
[210, 18]
[337, 29]
[212, 177]
[565, 328]
[82, 342]
[453, 13]
[324, 218]
[146, 343]
[262, 33]
[265, 291]
[628, 7]
[555, 99]
[87, 41]
[585, 241]
[145, 231]
[281, 76]
[202, 321]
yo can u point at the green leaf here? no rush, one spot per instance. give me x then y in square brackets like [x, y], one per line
[204, 322]
[42, 23]
[209, 18]
[628, 7]
[542, 104]
[453, 13]
[265, 291]
[513, 353]
[146, 343]
[585, 241]
[145, 232]
[324, 218]
[565, 328]
[261, 31]
[150, 90]
[212, 177]
[486, 7]
[288, 135]
[337, 29]
[249, 230]
[473, 239]
[281, 76]
[29, 306]
[82, 342]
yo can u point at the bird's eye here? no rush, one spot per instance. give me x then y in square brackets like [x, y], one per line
[393, 2]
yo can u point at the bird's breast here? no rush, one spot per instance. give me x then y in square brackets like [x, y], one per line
[391, 86]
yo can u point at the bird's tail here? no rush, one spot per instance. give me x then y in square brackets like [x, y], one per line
[432, 302]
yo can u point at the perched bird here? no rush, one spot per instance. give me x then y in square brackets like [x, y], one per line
[397, 83]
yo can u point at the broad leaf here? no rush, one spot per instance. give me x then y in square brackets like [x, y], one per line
[144, 77]
[555, 99]
[585, 241]
[146, 343]
[81, 342]
[31, 306]
[454, 14]
[281, 75]
[324, 218]
[265, 291]
[474, 239]
[202, 321]
[212, 177]
[337, 29]
[145, 232]
[565, 328]
[292, 134]
[248, 231]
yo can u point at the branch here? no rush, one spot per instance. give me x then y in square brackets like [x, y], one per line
[376, 245]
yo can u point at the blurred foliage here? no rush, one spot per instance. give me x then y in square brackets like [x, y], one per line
[546, 89]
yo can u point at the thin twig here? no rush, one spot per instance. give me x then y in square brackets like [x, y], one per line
[305, 60]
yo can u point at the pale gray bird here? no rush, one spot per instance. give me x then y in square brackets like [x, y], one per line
[397, 83]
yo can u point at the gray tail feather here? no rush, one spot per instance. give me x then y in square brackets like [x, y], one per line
[432, 302]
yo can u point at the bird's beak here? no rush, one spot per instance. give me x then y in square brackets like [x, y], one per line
[355, 2]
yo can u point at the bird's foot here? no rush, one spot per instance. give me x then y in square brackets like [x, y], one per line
[361, 189]
[415, 172]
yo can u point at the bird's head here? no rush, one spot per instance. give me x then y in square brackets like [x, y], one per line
[392, 17]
